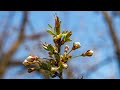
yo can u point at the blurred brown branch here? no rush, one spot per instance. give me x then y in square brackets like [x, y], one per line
[35, 36]
[4, 32]
[8, 55]
[6, 58]
[97, 66]
[15, 63]
[69, 73]
[113, 34]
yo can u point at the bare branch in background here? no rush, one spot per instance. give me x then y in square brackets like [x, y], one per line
[69, 73]
[35, 36]
[113, 35]
[15, 63]
[6, 58]
[15, 45]
[97, 66]
[5, 32]
[116, 13]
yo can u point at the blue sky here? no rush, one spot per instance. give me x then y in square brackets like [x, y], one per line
[88, 28]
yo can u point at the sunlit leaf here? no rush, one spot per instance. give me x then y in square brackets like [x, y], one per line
[68, 34]
[44, 66]
[50, 32]
[68, 40]
[51, 47]
[50, 26]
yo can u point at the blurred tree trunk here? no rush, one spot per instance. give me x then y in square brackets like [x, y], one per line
[113, 35]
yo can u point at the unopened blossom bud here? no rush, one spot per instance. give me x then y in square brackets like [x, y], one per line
[29, 60]
[26, 63]
[76, 45]
[54, 69]
[66, 48]
[31, 70]
[58, 37]
[45, 46]
[89, 53]
[65, 65]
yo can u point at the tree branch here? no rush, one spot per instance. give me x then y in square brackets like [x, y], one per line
[15, 63]
[113, 34]
[5, 32]
[35, 36]
[97, 66]
[15, 45]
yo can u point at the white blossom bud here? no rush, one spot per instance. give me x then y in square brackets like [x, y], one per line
[65, 65]
[89, 53]
[76, 45]
[66, 48]
[26, 63]
[30, 60]
[54, 69]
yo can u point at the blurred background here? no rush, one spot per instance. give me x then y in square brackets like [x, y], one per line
[21, 34]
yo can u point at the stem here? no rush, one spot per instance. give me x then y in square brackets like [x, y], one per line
[59, 50]
[76, 56]
[59, 46]
[69, 51]
[46, 58]
[60, 75]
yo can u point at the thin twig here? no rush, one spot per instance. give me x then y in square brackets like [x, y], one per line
[69, 52]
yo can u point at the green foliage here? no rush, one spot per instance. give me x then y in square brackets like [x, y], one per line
[51, 32]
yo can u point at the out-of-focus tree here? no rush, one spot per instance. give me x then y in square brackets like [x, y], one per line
[113, 34]
[109, 18]
[6, 56]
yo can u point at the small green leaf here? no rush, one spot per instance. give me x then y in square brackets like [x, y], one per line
[45, 48]
[50, 74]
[50, 26]
[50, 32]
[49, 65]
[61, 67]
[57, 56]
[55, 30]
[64, 38]
[44, 66]
[64, 33]
[51, 47]
[68, 40]
[68, 34]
